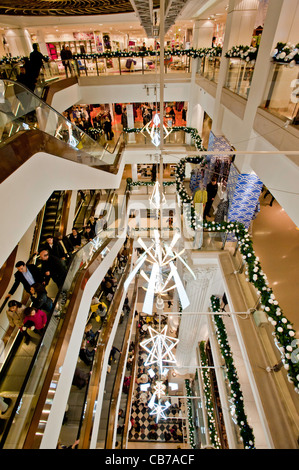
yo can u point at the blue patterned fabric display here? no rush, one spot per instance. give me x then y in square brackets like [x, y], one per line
[244, 198]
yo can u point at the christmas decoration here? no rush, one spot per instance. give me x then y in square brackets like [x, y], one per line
[247, 53]
[209, 406]
[237, 404]
[190, 414]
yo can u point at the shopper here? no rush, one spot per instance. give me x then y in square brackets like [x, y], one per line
[108, 128]
[37, 60]
[75, 238]
[27, 275]
[52, 268]
[15, 313]
[34, 320]
[89, 233]
[212, 189]
[66, 56]
[40, 299]
[53, 246]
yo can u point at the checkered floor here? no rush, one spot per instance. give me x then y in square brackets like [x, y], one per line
[140, 414]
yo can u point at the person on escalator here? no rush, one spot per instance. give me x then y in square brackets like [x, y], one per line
[85, 354]
[89, 233]
[15, 313]
[75, 238]
[53, 246]
[40, 299]
[52, 268]
[34, 320]
[27, 274]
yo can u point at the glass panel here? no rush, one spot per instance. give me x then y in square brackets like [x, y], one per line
[22, 110]
[281, 96]
[239, 76]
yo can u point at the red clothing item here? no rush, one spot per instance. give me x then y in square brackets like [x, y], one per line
[39, 319]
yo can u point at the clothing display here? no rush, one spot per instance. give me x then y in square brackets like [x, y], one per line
[222, 211]
[201, 196]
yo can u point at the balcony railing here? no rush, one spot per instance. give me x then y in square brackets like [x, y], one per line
[239, 76]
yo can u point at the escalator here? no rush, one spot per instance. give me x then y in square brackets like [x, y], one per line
[51, 213]
[22, 112]
[23, 371]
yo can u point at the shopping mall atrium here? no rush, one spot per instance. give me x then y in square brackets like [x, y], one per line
[150, 240]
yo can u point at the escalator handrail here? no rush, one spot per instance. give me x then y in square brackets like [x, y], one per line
[117, 385]
[32, 362]
[97, 375]
[7, 82]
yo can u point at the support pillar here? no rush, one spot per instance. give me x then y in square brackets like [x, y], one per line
[19, 42]
[40, 38]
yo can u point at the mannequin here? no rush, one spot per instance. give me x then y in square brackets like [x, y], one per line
[222, 208]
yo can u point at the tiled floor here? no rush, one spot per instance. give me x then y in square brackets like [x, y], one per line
[276, 243]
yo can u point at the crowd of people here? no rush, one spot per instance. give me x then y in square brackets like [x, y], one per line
[93, 125]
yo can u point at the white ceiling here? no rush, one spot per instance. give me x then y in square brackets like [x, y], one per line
[119, 23]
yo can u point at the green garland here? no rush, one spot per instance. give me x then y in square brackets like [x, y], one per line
[284, 331]
[148, 183]
[247, 53]
[192, 53]
[286, 53]
[190, 415]
[208, 397]
[236, 393]
[283, 328]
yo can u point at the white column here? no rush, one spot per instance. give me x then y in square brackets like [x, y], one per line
[203, 33]
[40, 37]
[243, 18]
[134, 172]
[19, 42]
[71, 214]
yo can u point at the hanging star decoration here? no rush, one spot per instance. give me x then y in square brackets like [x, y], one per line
[162, 257]
[152, 128]
[158, 409]
[159, 388]
[159, 347]
[156, 201]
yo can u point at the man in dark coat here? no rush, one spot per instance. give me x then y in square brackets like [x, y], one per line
[52, 268]
[27, 274]
[53, 246]
[212, 189]
[36, 62]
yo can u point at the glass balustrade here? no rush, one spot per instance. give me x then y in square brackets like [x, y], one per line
[239, 76]
[208, 68]
[281, 96]
[91, 65]
[21, 110]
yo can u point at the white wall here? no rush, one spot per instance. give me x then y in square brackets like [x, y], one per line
[133, 93]
[66, 98]
[33, 183]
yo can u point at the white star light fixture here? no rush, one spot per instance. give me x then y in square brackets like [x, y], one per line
[158, 409]
[159, 347]
[155, 199]
[152, 128]
[160, 255]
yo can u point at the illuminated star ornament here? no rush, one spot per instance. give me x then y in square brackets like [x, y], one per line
[159, 388]
[152, 128]
[158, 410]
[159, 346]
[155, 199]
[162, 257]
